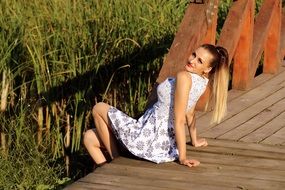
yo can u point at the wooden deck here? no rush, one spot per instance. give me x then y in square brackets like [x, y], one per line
[246, 151]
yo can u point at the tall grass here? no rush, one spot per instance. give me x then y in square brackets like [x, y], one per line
[23, 165]
[58, 58]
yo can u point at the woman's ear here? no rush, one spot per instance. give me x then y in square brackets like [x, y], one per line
[207, 70]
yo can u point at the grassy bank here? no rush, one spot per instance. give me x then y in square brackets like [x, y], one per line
[58, 58]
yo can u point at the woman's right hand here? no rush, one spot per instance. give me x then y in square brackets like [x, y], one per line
[200, 142]
[189, 162]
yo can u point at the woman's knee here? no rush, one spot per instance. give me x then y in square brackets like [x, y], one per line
[100, 108]
[89, 137]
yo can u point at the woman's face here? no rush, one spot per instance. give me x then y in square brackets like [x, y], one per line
[199, 62]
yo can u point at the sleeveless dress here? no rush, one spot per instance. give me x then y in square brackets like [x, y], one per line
[152, 137]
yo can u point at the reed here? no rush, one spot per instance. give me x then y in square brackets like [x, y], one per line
[5, 91]
[59, 57]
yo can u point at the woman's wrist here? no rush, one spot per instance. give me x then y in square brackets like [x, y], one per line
[182, 158]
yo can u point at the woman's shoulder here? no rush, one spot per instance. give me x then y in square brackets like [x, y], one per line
[197, 77]
[183, 75]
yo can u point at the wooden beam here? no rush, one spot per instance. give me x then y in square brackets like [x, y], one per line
[191, 32]
[261, 30]
[210, 38]
[282, 43]
[272, 58]
[212, 17]
[243, 54]
[232, 28]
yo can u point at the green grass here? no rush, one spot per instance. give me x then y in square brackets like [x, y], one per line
[25, 165]
[59, 58]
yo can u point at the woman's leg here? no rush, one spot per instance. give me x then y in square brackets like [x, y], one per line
[105, 136]
[93, 146]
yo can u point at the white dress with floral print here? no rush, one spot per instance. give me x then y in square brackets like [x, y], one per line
[151, 137]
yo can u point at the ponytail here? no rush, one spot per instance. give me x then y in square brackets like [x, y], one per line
[220, 86]
[219, 79]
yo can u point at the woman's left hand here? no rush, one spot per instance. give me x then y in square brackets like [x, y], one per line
[189, 162]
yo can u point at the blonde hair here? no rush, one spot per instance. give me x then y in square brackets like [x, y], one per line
[219, 79]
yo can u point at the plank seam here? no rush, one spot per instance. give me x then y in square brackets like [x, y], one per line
[240, 111]
[253, 117]
[263, 126]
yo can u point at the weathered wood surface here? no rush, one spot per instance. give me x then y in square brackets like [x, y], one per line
[246, 151]
[253, 115]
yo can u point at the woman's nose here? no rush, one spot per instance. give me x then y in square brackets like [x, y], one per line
[191, 60]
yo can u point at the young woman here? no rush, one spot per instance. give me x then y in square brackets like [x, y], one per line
[159, 134]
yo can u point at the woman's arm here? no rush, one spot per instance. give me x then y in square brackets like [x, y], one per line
[191, 123]
[183, 85]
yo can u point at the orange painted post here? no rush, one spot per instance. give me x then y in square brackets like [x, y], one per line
[190, 34]
[212, 15]
[272, 58]
[243, 54]
[232, 28]
[282, 39]
[260, 33]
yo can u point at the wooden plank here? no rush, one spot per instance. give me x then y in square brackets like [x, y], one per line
[243, 116]
[210, 169]
[257, 121]
[200, 177]
[277, 138]
[233, 93]
[258, 81]
[236, 160]
[115, 177]
[78, 185]
[246, 146]
[241, 152]
[225, 158]
[266, 130]
[251, 97]
[146, 178]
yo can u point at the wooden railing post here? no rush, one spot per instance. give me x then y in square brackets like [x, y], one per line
[236, 37]
[210, 38]
[264, 25]
[212, 16]
[282, 38]
[243, 54]
[244, 36]
[272, 49]
[189, 36]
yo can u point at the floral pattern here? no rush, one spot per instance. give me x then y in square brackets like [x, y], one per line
[152, 136]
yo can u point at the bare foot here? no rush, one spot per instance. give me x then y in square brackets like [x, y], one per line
[200, 142]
